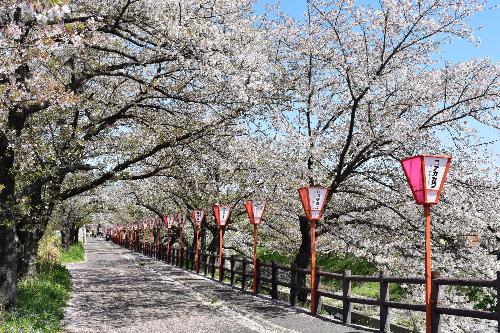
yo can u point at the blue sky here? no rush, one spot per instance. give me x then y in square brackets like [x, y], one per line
[460, 50]
[487, 28]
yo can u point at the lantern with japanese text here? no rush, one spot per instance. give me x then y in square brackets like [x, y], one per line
[197, 216]
[313, 200]
[255, 211]
[168, 220]
[221, 214]
[181, 221]
[426, 175]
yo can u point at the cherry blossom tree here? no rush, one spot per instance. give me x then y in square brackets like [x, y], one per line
[123, 83]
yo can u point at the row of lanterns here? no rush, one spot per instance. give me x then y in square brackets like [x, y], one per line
[425, 174]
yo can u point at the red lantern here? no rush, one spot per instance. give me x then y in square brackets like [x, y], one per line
[313, 201]
[181, 219]
[221, 214]
[426, 175]
[198, 216]
[168, 220]
[255, 211]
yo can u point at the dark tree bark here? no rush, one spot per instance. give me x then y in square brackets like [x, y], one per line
[27, 251]
[65, 238]
[8, 267]
[303, 257]
[73, 234]
[8, 237]
[203, 236]
[212, 246]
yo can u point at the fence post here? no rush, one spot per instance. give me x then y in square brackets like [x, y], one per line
[231, 260]
[257, 284]
[317, 308]
[204, 256]
[274, 280]
[244, 273]
[498, 301]
[293, 285]
[191, 259]
[385, 321]
[178, 257]
[212, 260]
[436, 317]
[346, 294]
[223, 271]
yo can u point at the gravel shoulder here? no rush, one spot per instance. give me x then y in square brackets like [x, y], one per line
[116, 290]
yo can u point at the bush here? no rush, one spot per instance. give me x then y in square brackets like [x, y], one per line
[49, 251]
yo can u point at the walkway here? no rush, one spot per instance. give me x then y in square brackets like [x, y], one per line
[116, 290]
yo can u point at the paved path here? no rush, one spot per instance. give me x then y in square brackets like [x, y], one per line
[113, 292]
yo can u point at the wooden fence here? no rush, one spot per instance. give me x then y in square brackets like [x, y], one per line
[242, 267]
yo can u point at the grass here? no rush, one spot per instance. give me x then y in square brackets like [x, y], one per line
[336, 263]
[40, 302]
[75, 253]
[41, 298]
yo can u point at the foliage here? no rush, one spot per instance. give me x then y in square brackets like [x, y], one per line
[482, 299]
[42, 298]
[332, 262]
[75, 253]
[41, 301]
[49, 251]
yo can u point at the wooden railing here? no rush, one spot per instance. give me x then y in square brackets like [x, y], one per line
[209, 263]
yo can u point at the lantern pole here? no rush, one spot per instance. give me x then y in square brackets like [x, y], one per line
[143, 239]
[220, 252]
[168, 244]
[313, 267]
[181, 244]
[255, 258]
[428, 281]
[158, 248]
[150, 241]
[197, 259]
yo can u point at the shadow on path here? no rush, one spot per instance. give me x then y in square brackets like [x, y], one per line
[116, 290]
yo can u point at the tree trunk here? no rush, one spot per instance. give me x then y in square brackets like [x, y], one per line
[65, 235]
[27, 252]
[212, 246]
[203, 237]
[8, 267]
[8, 237]
[304, 255]
[73, 235]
